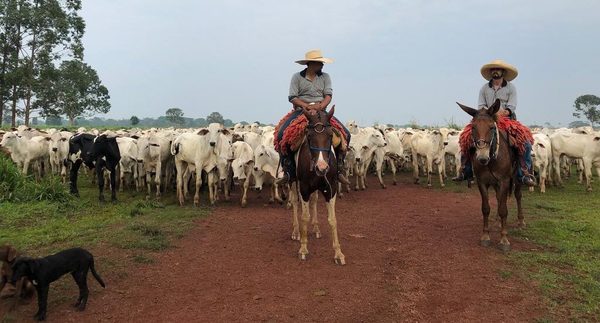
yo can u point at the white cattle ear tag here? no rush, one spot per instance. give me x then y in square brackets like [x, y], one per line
[34, 282]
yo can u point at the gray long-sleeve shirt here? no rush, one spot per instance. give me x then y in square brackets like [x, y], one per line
[310, 91]
[507, 94]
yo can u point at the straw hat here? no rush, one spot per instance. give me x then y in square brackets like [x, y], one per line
[511, 71]
[314, 55]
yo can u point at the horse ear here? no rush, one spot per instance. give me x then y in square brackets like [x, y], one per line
[331, 111]
[494, 108]
[472, 112]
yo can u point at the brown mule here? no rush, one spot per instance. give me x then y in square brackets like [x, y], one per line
[494, 164]
[316, 170]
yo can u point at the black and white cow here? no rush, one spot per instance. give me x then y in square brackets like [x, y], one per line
[95, 152]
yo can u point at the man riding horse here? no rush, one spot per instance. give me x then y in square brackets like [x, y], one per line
[310, 89]
[499, 74]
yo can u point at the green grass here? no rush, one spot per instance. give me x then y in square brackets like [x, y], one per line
[565, 225]
[41, 227]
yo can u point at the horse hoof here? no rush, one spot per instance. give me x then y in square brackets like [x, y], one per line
[302, 257]
[339, 261]
[318, 235]
[485, 243]
[504, 247]
[383, 186]
[394, 183]
[295, 237]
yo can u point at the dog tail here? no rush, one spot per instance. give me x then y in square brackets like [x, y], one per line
[98, 278]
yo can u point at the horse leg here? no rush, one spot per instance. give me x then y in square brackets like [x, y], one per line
[518, 196]
[339, 257]
[313, 214]
[303, 252]
[502, 197]
[485, 240]
[293, 199]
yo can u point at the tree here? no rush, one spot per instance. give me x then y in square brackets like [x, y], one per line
[578, 123]
[215, 117]
[134, 120]
[587, 105]
[175, 115]
[75, 90]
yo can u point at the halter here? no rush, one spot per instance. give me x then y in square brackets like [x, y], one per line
[316, 127]
[481, 143]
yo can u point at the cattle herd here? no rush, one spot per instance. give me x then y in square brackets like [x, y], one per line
[155, 160]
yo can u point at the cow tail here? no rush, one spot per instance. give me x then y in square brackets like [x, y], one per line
[175, 147]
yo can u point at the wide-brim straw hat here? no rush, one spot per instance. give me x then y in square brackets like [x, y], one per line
[314, 55]
[511, 71]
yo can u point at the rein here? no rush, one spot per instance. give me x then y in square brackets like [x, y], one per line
[481, 143]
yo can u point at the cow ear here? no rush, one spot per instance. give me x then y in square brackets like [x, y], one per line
[494, 108]
[203, 132]
[225, 132]
[365, 147]
[472, 112]
[541, 145]
[250, 162]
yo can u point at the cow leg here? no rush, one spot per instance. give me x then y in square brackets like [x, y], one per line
[429, 161]
[415, 160]
[303, 252]
[113, 181]
[212, 189]
[179, 184]
[148, 184]
[100, 175]
[198, 184]
[394, 169]
[338, 257]
[557, 170]
[442, 173]
[378, 168]
[502, 196]
[26, 166]
[485, 240]
[357, 177]
[245, 191]
[121, 178]
[587, 169]
[543, 176]
[313, 214]
[293, 199]
[73, 178]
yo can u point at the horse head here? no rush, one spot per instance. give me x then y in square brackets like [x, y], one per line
[318, 137]
[484, 131]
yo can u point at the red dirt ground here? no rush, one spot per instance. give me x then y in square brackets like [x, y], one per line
[412, 256]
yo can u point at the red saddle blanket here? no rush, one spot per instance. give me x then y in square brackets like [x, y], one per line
[518, 133]
[294, 133]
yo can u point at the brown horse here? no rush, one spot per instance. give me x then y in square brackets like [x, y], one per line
[316, 170]
[494, 164]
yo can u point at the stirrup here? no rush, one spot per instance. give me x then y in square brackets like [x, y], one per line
[528, 180]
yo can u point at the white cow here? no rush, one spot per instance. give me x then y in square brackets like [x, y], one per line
[575, 145]
[128, 164]
[199, 150]
[58, 150]
[542, 154]
[266, 161]
[25, 152]
[394, 151]
[430, 145]
[365, 143]
[452, 149]
[242, 164]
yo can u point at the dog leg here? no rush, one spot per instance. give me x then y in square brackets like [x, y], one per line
[42, 303]
[81, 281]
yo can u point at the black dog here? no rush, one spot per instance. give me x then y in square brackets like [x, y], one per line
[43, 271]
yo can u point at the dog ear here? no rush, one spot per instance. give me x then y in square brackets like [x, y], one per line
[11, 254]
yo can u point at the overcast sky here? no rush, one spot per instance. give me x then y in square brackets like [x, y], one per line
[396, 61]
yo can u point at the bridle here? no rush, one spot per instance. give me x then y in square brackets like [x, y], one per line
[482, 143]
[319, 128]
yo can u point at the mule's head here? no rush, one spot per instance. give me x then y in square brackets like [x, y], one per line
[484, 131]
[319, 138]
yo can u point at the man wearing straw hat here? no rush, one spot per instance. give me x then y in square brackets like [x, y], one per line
[310, 89]
[499, 74]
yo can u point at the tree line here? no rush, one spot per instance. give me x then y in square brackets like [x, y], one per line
[41, 63]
